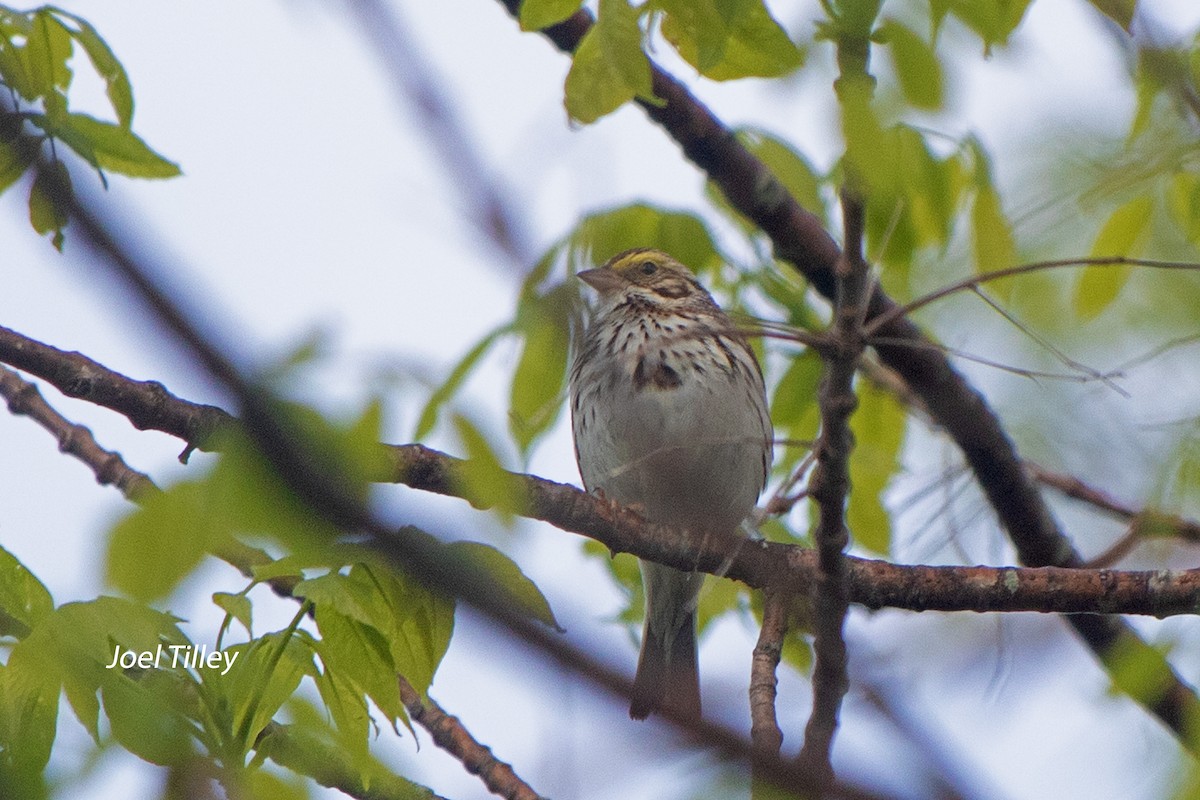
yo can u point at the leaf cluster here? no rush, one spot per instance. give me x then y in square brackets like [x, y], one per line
[37, 68]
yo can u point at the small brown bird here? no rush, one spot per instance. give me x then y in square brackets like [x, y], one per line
[670, 416]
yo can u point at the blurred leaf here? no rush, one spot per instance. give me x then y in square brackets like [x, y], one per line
[852, 18]
[157, 545]
[609, 67]
[28, 718]
[726, 40]
[106, 64]
[1124, 234]
[878, 426]
[454, 382]
[505, 573]
[537, 384]
[14, 160]
[237, 606]
[23, 598]
[105, 145]
[718, 597]
[626, 573]
[538, 14]
[992, 237]
[787, 164]
[308, 751]
[684, 236]
[794, 411]
[144, 722]
[484, 482]
[1119, 11]
[1183, 200]
[46, 53]
[992, 20]
[48, 206]
[917, 67]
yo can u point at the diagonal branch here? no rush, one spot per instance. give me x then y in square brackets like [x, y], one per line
[800, 239]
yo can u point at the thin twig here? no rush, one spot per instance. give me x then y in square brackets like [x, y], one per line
[881, 321]
[765, 734]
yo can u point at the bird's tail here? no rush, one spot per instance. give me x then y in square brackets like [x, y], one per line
[667, 674]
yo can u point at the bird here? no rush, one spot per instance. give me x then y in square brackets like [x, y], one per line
[669, 416]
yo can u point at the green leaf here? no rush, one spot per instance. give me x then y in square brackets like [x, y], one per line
[403, 627]
[792, 169]
[484, 482]
[14, 67]
[993, 20]
[505, 573]
[609, 67]
[237, 606]
[855, 17]
[1183, 201]
[604, 234]
[358, 652]
[144, 721]
[992, 238]
[729, 39]
[917, 67]
[878, 426]
[347, 707]
[538, 14]
[454, 382]
[24, 600]
[423, 622]
[14, 160]
[1124, 234]
[263, 675]
[156, 546]
[106, 64]
[49, 201]
[537, 385]
[108, 146]
[794, 411]
[28, 717]
[47, 51]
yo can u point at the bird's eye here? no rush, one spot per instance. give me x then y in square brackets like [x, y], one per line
[649, 268]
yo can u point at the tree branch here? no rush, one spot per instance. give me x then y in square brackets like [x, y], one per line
[871, 583]
[829, 487]
[764, 726]
[800, 239]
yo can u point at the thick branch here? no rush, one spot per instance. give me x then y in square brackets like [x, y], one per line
[871, 583]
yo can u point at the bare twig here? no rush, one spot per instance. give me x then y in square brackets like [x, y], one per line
[765, 734]
[881, 321]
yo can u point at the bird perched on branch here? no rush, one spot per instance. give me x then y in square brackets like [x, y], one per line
[669, 414]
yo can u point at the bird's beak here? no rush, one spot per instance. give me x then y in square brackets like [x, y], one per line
[602, 280]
